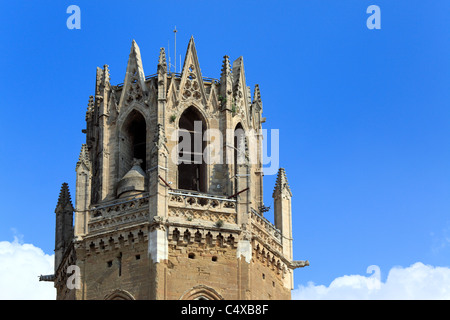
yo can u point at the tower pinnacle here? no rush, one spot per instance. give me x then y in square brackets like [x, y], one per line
[64, 200]
[282, 183]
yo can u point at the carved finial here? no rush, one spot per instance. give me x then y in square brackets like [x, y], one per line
[64, 200]
[162, 64]
[162, 57]
[226, 84]
[226, 67]
[105, 78]
[90, 108]
[257, 94]
[281, 183]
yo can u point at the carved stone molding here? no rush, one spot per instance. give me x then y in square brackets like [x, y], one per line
[194, 206]
[183, 236]
[198, 214]
[270, 259]
[127, 212]
[264, 229]
[116, 240]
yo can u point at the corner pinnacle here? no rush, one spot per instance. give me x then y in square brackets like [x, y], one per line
[64, 200]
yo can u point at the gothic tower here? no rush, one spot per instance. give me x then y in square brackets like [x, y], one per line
[169, 192]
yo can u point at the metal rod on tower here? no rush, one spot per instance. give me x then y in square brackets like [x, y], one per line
[175, 33]
[168, 50]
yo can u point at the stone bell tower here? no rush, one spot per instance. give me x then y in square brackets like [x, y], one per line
[168, 197]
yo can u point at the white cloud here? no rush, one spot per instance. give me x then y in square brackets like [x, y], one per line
[418, 281]
[20, 266]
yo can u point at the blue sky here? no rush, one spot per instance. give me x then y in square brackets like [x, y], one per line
[363, 114]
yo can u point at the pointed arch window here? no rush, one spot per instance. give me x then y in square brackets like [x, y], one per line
[191, 164]
[134, 141]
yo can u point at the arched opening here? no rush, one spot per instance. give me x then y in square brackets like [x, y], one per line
[201, 292]
[133, 141]
[119, 295]
[191, 164]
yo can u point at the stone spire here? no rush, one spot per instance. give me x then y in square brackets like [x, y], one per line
[226, 84]
[83, 191]
[281, 184]
[283, 212]
[64, 221]
[64, 201]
